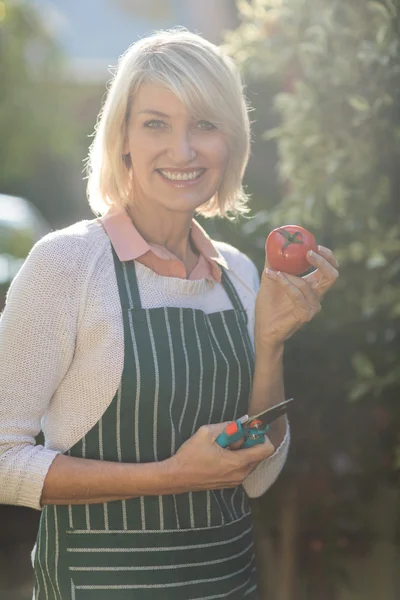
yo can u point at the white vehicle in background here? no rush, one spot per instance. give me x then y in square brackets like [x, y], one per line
[21, 226]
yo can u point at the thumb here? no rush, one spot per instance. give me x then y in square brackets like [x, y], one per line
[266, 262]
[268, 276]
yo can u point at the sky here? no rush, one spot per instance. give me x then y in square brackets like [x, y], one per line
[95, 32]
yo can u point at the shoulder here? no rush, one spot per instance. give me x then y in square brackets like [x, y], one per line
[79, 241]
[63, 256]
[73, 238]
[240, 264]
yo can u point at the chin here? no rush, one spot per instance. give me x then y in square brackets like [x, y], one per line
[183, 205]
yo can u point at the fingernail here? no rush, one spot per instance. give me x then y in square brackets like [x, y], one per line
[269, 272]
[310, 253]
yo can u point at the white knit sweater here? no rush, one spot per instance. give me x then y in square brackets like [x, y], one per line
[62, 349]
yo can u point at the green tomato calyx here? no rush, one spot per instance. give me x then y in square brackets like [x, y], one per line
[291, 238]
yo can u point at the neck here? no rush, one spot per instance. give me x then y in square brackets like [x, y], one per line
[171, 231]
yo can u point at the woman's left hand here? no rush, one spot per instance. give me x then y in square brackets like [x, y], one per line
[285, 302]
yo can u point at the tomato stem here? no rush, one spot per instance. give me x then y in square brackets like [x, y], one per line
[291, 238]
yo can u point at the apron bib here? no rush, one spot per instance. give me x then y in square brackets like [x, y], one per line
[182, 369]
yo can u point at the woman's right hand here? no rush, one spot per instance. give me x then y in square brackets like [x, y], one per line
[201, 464]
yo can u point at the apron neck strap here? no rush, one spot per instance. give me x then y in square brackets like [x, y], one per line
[129, 290]
[127, 282]
[232, 293]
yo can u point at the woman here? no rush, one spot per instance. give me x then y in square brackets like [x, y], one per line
[132, 339]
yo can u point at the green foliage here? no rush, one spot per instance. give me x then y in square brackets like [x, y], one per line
[30, 107]
[37, 131]
[336, 70]
[339, 144]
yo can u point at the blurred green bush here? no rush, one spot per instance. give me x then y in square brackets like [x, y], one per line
[330, 71]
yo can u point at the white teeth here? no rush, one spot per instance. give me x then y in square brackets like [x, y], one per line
[181, 176]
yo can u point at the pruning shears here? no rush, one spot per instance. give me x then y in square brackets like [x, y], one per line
[254, 428]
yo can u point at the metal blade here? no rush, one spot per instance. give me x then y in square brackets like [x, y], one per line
[270, 414]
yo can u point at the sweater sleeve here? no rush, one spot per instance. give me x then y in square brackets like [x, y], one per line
[37, 336]
[268, 470]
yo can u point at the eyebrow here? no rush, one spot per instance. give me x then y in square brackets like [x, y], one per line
[153, 112]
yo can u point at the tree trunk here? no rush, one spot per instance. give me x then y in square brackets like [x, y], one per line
[265, 553]
[286, 580]
[382, 565]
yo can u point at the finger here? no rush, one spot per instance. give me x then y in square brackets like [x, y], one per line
[257, 452]
[329, 256]
[291, 290]
[306, 289]
[328, 271]
[236, 445]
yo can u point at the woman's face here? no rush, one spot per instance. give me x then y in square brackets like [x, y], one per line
[178, 161]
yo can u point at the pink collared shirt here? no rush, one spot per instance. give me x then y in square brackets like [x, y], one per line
[129, 244]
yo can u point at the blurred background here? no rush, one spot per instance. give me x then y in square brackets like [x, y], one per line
[323, 78]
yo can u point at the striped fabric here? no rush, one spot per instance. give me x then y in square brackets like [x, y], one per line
[182, 369]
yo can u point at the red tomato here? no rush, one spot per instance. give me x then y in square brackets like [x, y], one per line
[286, 249]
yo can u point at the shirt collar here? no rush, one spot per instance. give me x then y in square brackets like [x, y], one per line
[129, 244]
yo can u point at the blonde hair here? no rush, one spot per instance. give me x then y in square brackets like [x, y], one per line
[209, 85]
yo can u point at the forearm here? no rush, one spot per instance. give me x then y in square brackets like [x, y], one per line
[84, 481]
[268, 387]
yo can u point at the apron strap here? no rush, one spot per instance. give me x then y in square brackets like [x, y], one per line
[233, 295]
[127, 282]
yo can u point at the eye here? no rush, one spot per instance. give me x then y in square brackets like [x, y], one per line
[154, 124]
[205, 125]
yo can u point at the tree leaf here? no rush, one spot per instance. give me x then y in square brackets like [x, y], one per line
[359, 390]
[363, 366]
[376, 260]
[379, 8]
[358, 103]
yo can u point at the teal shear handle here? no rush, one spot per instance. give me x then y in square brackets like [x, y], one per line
[252, 429]
[235, 431]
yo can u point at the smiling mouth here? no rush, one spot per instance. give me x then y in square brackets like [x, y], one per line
[182, 175]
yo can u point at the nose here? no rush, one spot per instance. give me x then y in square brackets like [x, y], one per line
[181, 150]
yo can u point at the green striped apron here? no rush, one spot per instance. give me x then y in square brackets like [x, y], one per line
[182, 369]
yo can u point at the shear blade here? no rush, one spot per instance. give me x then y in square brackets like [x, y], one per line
[270, 414]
